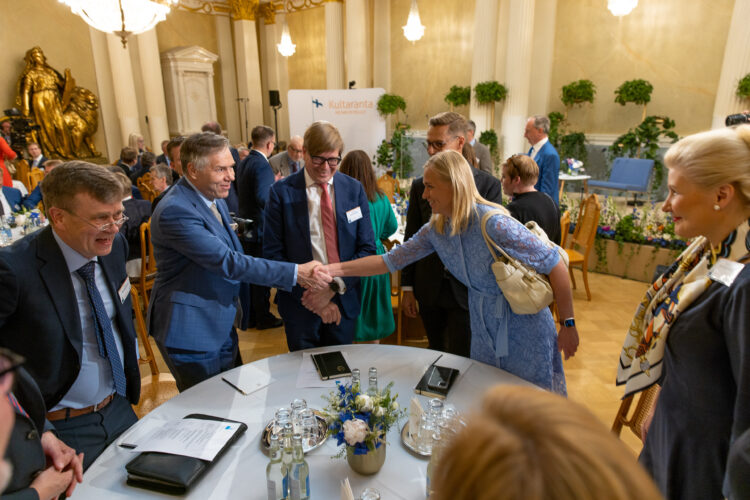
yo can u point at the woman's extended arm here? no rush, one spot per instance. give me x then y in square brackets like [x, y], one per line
[371, 265]
[567, 337]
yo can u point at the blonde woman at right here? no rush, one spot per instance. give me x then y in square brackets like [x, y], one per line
[528, 444]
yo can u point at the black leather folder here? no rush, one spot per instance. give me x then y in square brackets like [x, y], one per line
[174, 474]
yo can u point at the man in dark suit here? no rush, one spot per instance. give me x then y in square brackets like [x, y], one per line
[481, 151]
[32, 200]
[128, 160]
[545, 155]
[443, 300]
[164, 156]
[173, 150]
[148, 160]
[65, 306]
[11, 200]
[254, 179]
[137, 211]
[201, 264]
[32, 443]
[290, 161]
[35, 153]
[319, 214]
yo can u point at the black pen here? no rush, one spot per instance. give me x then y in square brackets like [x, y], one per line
[234, 387]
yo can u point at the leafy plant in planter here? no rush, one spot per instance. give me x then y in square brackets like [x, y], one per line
[458, 96]
[555, 124]
[635, 91]
[489, 93]
[577, 93]
[573, 145]
[384, 155]
[394, 154]
[389, 104]
[489, 139]
[743, 87]
[643, 142]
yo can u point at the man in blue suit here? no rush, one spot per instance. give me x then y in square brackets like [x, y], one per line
[319, 214]
[545, 155]
[11, 201]
[194, 301]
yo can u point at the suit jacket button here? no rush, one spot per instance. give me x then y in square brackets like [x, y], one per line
[32, 434]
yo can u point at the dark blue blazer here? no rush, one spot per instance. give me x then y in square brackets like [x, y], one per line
[14, 198]
[39, 316]
[286, 235]
[232, 200]
[549, 172]
[254, 179]
[33, 199]
[200, 267]
[138, 212]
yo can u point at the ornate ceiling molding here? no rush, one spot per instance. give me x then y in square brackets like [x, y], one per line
[249, 10]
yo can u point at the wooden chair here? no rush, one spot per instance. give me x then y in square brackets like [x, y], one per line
[389, 185]
[144, 186]
[646, 399]
[159, 387]
[22, 172]
[145, 281]
[564, 227]
[35, 177]
[583, 238]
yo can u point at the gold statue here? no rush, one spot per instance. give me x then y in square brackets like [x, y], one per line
[66, 114]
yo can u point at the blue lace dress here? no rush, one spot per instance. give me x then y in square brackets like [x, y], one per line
[522, 344]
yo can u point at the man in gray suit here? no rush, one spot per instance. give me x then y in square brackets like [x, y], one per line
[290, 161]
[480, 150]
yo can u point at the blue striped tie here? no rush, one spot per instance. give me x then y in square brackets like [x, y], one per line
[105, 337]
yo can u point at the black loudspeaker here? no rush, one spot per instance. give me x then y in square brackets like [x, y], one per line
[273, 97]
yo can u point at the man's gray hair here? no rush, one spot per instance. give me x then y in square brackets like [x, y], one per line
[198, 147]
[472, 125]
[541, 122]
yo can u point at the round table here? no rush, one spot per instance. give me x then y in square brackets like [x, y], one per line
[241, 472]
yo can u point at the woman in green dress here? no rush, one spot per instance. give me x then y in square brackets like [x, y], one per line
[376, 317]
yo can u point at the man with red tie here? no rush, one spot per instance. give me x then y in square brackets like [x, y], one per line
[323, 215]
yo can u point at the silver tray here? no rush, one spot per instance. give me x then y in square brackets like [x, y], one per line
[265, 437]
[410, 443]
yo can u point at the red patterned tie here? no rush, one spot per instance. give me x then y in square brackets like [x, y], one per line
[329, 225]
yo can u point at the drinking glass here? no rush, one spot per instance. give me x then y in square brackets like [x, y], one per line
[355, 376]
[309, 429]
[427, 428]
[298, 405]
[370, 494]
[281, 417]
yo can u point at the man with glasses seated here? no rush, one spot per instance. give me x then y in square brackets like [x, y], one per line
[290, 161]
[443, 300]
[65, 306]
[319, 214]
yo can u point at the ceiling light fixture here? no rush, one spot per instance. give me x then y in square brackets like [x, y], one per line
[414, 29]
[621, 8]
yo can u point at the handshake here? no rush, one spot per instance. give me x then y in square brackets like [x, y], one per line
[314, 277]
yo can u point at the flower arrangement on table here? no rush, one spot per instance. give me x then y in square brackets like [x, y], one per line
[359, 420]
[401, 203]
[574, 167]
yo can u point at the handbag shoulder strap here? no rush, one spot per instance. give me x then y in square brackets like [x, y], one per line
[491, 245]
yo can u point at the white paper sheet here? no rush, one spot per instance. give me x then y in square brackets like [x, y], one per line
[248, 379]
[136, 434]
[189, 437]
[307, 376]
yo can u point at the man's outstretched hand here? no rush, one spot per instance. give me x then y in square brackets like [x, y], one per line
[308, 278]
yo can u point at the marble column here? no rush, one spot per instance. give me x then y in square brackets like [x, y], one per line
[124, 87]
[518, 75]
[543, 53]
[248, 75]
[109, 123]
[357, 55]
[736, 64]
[381, 41]
[231, 118]
[483, 58]
[335, 76]
[153, 88]
[277, 75]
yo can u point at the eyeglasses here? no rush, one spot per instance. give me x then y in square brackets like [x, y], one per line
[104, 227]
[333, 161]
[438, 145]
[294, 150]
[9, 362]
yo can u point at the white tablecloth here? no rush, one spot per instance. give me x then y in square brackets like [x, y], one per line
[240, 474]
[20, 186]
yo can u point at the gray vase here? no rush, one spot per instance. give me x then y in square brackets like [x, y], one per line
[366, 464]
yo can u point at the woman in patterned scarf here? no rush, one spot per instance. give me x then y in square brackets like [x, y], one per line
[691, 332]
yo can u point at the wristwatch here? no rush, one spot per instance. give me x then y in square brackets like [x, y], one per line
[338, 286]
[569, 322]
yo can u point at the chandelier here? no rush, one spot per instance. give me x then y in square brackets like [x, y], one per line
[621, 8]
[414, 30]
[286, 47]
[121, 17]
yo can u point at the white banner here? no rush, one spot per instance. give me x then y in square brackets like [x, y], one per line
[354, 112]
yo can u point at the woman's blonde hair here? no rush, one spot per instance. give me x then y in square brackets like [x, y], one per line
[451, 167]
[534, 445]
[133, 139]
[716, 157]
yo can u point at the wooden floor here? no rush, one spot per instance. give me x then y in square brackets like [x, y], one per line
[590, 375]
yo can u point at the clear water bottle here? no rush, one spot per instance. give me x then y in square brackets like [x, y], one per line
[355, 376]
[299, 473]
[372, 383]
[6, 235]
[276, 481]
[285, 442]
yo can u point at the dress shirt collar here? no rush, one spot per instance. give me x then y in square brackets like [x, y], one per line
[73, 259]
[539, 145]
[310, 182]
[260, 153]
[473, 141]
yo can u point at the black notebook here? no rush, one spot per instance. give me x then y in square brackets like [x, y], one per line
[331, 365]
[436, 381]
[174, 474]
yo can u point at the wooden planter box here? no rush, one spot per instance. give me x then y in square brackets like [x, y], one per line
[629, 260]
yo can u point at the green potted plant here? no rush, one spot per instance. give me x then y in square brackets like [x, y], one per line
[489, 93]
[578, 92]
[489, 139]
[635, 91]
[743, 87]
[458, 96]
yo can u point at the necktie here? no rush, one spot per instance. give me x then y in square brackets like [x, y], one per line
[2, 209]
[215, 211]
[15, 404]
[105, 336]
[329, 225]
[295, 167]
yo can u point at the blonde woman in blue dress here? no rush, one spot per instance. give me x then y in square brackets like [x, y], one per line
[526, 345]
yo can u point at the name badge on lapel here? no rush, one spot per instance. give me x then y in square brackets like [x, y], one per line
[354, 214]
[725, 271]
[124, 290]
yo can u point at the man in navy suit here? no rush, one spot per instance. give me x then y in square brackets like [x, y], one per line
[10, 201]
[319, 214]
[32, 200]
[201, 264]
[65, 306]
[254, 179]
[35, 153]
[545, 155]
